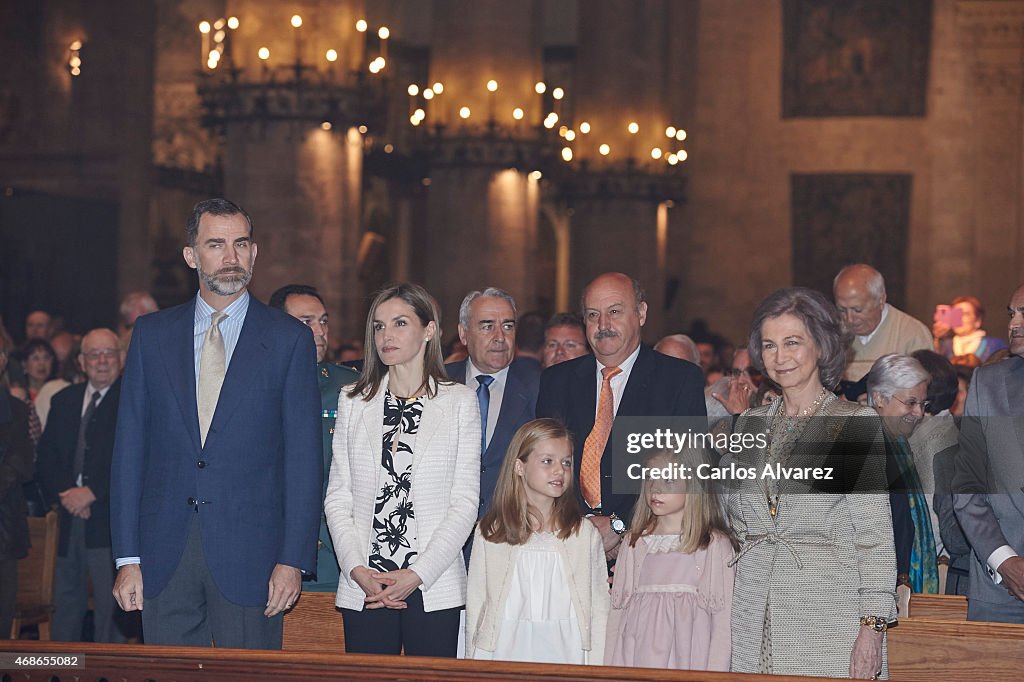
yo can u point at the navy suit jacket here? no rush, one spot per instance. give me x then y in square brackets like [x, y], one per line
[658, 385]
[56, 454]
[518, 406]
[255, 485]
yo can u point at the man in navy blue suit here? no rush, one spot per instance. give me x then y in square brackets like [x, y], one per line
[624, 377]
[506, 389]
[216, 474]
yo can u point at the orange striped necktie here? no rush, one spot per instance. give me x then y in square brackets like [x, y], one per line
[593, 448]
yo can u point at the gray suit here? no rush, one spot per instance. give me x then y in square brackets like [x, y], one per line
[989, 483]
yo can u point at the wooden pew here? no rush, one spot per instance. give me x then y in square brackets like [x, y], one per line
[314, 624]
[927, 650]
[919, 649]
[938, 607]
[139, 663]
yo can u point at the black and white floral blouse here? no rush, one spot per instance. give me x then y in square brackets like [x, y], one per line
[393, 540]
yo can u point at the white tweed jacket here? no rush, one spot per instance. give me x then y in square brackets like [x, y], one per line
[490, 579]
[445, 490]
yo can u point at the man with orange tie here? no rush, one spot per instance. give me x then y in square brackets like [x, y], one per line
[623, 377]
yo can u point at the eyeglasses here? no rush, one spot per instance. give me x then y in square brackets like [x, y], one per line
[101, 353]
[914, 402]
[749, 371]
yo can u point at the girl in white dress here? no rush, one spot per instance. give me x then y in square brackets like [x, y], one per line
[538, 588]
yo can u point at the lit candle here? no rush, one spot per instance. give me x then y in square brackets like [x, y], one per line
[361, 27]
[297, 24]
[492, 87]
[204, 49]
[633, 128]
[384, 33]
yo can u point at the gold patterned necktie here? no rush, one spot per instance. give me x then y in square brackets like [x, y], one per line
[593, 448]
[211, 374]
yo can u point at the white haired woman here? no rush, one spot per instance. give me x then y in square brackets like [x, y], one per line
[898, 389]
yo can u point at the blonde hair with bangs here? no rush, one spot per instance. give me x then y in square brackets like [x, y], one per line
[702, 515]
[508, 520]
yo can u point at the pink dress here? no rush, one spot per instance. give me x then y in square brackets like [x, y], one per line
[671, 610]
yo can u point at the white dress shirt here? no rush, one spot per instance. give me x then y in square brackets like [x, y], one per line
[618, 381]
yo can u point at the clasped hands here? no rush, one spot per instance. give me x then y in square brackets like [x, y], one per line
[386, 590]
[78, 501]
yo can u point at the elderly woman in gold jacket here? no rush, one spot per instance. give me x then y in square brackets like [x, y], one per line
[816, 572]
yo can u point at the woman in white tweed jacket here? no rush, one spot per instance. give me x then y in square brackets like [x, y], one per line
[404, 486]
[816, 572]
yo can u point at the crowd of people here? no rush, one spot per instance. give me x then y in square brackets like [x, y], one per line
[461, 499]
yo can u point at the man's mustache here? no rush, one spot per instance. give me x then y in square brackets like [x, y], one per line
[606, 334]
[231, 271]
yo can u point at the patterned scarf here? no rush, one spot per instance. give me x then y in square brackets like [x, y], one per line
[924, 568]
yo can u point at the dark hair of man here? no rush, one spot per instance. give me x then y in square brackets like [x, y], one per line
[820, 317]
[374, 369]
[943, 386]
[565, 320]
[218, 207]
[279, 298]
[530, 332]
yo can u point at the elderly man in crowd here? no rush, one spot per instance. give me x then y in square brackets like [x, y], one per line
[679, 346]
[506, 389]
[73, 469]
[988, 499]
[623, 377]
[878, 327]
[564, 339]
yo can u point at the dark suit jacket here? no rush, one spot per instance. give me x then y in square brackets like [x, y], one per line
[15, 470]
[257, 482]
[56, 454]
[658, 385]
[518, 406]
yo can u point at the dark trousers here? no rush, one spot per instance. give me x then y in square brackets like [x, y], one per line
[8, 594]
[191, 611]
[70, 592]
[387, 631]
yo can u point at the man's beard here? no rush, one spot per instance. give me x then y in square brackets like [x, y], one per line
[232, 280]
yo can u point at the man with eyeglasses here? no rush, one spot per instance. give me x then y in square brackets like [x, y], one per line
[73, 470]
[305, 304]
[564, 339]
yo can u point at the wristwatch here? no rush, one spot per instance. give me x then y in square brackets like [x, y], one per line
[877, 623]
[617, 524]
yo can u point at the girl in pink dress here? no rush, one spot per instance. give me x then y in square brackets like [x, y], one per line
[672, 591]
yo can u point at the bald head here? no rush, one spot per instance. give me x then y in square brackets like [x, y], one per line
[679, 346]
[101, 357]
[614, 312]
[859, 292]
